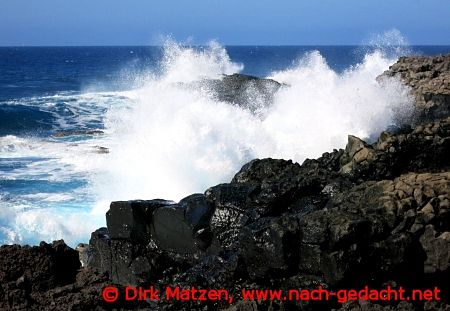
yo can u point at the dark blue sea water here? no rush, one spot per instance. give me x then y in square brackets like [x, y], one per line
[161, 140]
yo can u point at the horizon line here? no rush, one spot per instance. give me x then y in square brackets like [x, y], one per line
[226, 45]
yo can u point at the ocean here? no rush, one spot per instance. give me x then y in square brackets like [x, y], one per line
[83, 126]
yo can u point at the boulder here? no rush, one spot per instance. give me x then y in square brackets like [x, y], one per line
[180, 228]
[130, 220]
[231, 212]
[246, 91]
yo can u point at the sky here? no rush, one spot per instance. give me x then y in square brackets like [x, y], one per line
[230, 22]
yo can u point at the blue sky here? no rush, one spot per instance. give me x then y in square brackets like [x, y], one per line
[238, 22]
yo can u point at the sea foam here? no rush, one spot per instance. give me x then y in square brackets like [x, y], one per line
[175, 140]
[169, 137]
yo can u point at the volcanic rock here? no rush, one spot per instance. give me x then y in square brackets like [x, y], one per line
[367, 215]
[429, 79]
[27, 271]
[246, 91]
[179, 228]
[130, 219]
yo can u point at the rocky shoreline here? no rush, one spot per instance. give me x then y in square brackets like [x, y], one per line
[370, 215]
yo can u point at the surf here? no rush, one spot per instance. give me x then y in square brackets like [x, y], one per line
[169, 135]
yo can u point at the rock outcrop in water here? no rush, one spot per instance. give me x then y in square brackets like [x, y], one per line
[372, 214]
[238, 89]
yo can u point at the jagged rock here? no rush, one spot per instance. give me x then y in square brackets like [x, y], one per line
[392, 155]
[127, 267]
[243, 90]
[230, 212]
[130, 219]
[181, 227]
[429, 79]
[98, 253]
[277, 183]
[333, 227]
[328, 242]
[266, 171]
[26, 270]
[139, 232]
[278, 218]
[357, 155]
[198, 211]
[437, 250]
[268, 246]
[116, 257]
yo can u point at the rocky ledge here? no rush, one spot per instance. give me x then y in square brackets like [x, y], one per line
[372, 214]
[429, 78]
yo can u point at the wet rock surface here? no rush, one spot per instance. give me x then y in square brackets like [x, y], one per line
[369, 214]
[246, 91]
